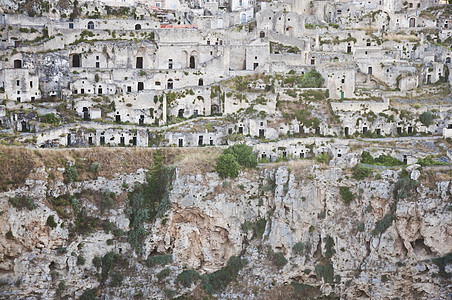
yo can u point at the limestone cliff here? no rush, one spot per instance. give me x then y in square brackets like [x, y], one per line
[288, 221]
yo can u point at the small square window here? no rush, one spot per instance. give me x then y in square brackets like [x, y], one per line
[97, 57]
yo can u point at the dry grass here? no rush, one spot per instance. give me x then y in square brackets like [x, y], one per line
[19, 162]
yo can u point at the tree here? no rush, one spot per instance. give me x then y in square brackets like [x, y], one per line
[426, 118]
[227, 166]
[243, 154]
[313, 79]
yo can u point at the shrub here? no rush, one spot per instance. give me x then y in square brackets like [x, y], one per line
[313, 79]
[258, 227]
[80, 260]
[61, 287]
[116, 279]
[382, 224]
[301, 248]
[50, 119]
[227, 166]
[107, 264]
[159, 260]
[219, 280]
[429, 161]
[441, 263]
[22, 202]
[88, 295]
[426, 118]
[97, 262]
[163, 274]
[325, 271]
[71, 173]
[360, 172]
[279, 260]
[9, 235]
[404, 187]
[329, 247]
[382, 160]
[243, 154]
[51, 222]
[94, 167]
[187, 277]
[322, 158]
[346, 195]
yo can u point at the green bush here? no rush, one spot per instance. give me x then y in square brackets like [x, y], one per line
[163, 274]
[94, 167]
[426, 118]
[80, 260]
[325, 271]
[429, 161]
[382, 160]
[404, 187]
[97, 262]
[313, 79]
[301, 248]
[279, 260]
[159, 260]
[243, 154]
[258, 227]
[116, 279]
[441, 263]
[187, 277]
[346, 195]
[360, 172]
[22, 202]
[88, 295]
[50, 119]
[61, 288]
[329, 246]
[51, 222]
[382, 224]
[322, 158]
[71, 173]
[227, 166]
[219, 280]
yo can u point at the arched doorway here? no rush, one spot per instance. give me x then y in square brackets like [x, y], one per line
[137, 26]
[200, 82]
[412, 22]
[90, 25]
[170, 84]
[214, 109]
[262, 34]
[192, 62]
[289, 31]
[447, 60]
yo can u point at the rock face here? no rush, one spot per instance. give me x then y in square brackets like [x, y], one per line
[375, 246]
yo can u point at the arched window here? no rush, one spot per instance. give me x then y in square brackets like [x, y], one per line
[90, 25]
[170, 84]
[200, 82]
[192, 62]
[137, 26]
[336, 59]
[412, 22]
[447, 60]
[262, 34]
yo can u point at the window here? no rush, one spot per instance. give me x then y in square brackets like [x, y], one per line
[18, 82]
[157, 83]
[82, 91]
[129, 89]
[140, 86]
[31, 84]
[99, 91]
[343, 80]
[410, 5]
[137, 26]
[97, 57]
[139, 64]
[17, 64]
[90, 25]
[368, 44]
[97, 64]
[170, 63]
[71, 25]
